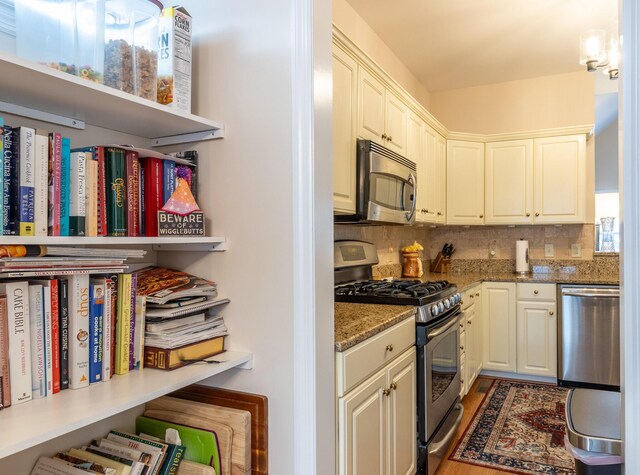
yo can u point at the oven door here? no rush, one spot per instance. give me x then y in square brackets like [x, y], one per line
[441, 371]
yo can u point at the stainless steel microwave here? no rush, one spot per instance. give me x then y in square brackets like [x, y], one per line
[386, 187]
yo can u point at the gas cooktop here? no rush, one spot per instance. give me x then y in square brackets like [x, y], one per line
[397, 292]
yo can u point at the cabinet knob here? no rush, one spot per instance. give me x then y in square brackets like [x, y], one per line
[528, 214]
[461, 348]
[461, 325]
[471, 296]
[535, 292]
[439, 213]
[386, 391]
[393, 386]
[389, 348]
[550, 313]
[477, 294]
[537, 214]
[461, 381]
[425, 210]
[390, 138]
[469, 322]
[481, 216]
[384, 137]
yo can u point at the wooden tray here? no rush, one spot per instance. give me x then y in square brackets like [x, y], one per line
[256, 404]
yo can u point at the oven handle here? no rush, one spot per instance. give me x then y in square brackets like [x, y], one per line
[441, 330]
[412, 181]
[446, 440]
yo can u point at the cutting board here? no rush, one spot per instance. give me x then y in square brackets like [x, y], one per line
[187, 467]
[238, 420]
[202, 446]
[256, 404]
[223, 432]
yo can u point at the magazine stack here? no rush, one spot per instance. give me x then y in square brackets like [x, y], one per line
[183, 321]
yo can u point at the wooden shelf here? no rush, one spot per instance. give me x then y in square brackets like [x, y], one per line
[158, 243]
[33, 90]
[31, 423]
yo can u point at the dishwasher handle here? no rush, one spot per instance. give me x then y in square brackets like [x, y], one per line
[615, 293]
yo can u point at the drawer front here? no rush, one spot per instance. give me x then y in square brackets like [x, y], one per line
[463, 340]
[356, 364]
[536, 291]
[469, 296]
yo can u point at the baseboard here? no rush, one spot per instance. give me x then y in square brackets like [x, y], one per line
[524, 377]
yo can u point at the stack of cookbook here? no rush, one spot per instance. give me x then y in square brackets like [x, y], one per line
[183, 322]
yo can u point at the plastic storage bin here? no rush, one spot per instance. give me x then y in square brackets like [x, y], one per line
[64, 34]
[131, 46]
[593, 431]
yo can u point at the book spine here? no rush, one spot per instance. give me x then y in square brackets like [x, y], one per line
[114, 279]
[14, 199]
[63, 303]
[123, 324]
[65, 185]
[8, 219]
[27, 159]
[168, 179]
[38, 364]
[78, 331]
[106, 330]
[5, 383]
[1, 179]
[102, 191]
[41, 180]
[141, 199]
[55, 336]
[133, 197]
[96, 315]
[138, 349]
[19, 341]
[172, 459]
[153, 190]
[92, 198]
[77, 192]
[132, 322]
[55, 175]
[48, 340]
[116, 192]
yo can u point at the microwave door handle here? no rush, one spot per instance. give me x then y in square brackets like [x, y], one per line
[412, 181]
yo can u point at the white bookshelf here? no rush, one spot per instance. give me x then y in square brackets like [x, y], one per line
[33, 90]
[31, 423]
[163, 243]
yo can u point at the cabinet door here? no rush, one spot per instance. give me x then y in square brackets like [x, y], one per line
[401, 376]
[560, 166]
[362, 428]
[473, 344]
[537, 338]
[396, 123]
[345, 103]
[499, 326]
[465, 182]
[371, 99]
[415, 148]
[463, 376]
[427, 176]
[440, 181]
[509, 182]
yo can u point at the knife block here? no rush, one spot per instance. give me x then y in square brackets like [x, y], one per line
[441, 264]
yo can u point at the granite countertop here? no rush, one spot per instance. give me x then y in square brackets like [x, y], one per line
[468, 279]
[355, 322]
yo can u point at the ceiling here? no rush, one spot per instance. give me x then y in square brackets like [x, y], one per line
[451, 44]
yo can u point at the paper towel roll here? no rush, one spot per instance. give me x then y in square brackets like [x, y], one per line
[522, 257]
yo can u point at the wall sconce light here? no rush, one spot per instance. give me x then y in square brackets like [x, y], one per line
[595, 54]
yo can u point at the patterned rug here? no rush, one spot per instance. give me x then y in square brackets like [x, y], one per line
[519, 428]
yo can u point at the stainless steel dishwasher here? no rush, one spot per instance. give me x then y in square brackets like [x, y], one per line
[589, 336]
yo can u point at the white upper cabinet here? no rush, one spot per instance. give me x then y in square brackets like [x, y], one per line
[415, 138]
[560, 179]
[465, 182]
[345, 104]
[432, 178]
[509, 182]
[382, 116]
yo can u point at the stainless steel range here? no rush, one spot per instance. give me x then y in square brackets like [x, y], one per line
[437, 341]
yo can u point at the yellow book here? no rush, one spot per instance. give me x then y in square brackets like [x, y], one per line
[120, 468]
[123, 324]
[92, 197]
[168, 359]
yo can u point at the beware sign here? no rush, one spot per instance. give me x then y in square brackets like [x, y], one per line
[170, 224]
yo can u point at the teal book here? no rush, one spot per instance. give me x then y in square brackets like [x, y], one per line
[65, 187]
[115, 165]
[172, 459]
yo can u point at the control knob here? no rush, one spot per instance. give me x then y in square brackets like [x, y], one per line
[447, 303]
[441, 307]
[435, 310]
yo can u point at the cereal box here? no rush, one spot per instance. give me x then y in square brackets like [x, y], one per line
[174, 61]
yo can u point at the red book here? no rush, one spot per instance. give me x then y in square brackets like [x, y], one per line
[55, 175]
[133, 191]
[153, 193]
[98, 155]
[55, 336]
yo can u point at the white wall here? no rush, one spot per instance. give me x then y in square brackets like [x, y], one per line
[359, 31]
[607, 159]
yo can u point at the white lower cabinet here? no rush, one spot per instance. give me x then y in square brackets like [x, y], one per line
[377, 418]
[519, 328]
[470, 338]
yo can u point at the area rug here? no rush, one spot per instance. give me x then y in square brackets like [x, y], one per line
[518, 428]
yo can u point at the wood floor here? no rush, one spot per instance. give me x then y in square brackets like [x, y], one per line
[471, 402]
